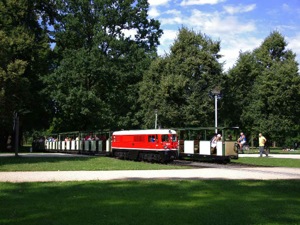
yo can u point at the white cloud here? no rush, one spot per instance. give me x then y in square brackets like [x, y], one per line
[130, 33]
[168, 37]
[226, 24]
[286, 7]
[216, 23]
[239, 9]
[173, 20]
[230, 30]
[200, 2]
[294, 45]
[210, 23]
[153, 12]
[231, 46]
[158, 2]
[166, 41]
[173, 12]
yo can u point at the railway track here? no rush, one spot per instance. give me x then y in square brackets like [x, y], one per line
[197, 164]
[261, 171]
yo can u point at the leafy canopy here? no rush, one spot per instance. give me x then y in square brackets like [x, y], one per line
[178, 84]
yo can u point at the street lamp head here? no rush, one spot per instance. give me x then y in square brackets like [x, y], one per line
[216, 91]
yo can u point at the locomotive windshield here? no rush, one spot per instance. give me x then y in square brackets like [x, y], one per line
[171, 138]
[174, 138]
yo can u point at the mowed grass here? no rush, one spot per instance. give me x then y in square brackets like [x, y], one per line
[147, 202]
[76, 163]
[270, 162]
[107, 163]
[273, 151]
[218, 202]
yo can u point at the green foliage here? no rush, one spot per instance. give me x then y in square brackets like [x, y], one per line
[101, 78]
[178, 84]
[264, 90]
[276, 90]
[94, 83]
[23, 58]
[238, 86]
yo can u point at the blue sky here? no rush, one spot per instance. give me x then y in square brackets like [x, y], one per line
[239, 25]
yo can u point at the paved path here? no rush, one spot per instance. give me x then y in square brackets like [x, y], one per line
[286, 156]
[230, 173]
[257, 173]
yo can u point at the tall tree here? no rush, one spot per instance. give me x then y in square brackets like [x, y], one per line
[23, 58]
[263, 90]
[94, 85]
[276, 90]
[238, 88]
[178, 84]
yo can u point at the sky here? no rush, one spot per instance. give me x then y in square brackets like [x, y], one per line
[240, 25]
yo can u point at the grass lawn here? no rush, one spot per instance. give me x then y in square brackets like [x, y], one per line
[107, 163]
[271, 162]
[151, 202]
[76, 163]
[145, 202]
[273, 151]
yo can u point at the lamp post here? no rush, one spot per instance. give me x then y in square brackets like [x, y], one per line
[155, 118]
[216, 93]
[16, 131]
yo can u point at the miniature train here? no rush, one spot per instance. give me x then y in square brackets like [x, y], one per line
[145, 145]
[153, 145]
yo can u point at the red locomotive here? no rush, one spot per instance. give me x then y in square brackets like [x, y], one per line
[159, 145]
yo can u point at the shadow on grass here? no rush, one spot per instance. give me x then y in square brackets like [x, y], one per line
[151, 202]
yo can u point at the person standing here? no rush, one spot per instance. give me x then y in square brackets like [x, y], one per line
[213, 144]
[242, 140]
[262, 141]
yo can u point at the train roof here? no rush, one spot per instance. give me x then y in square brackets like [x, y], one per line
[152, 131]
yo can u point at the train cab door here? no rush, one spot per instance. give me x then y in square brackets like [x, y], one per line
[167, 142]
[174, 141]
[153, 141]
[156, 141]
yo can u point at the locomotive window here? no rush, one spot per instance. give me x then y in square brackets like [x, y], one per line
[164, 137]
[151, 138]
[174, 138]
